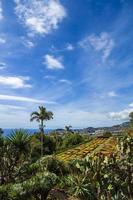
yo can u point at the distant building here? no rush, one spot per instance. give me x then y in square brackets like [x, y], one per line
[99, 132]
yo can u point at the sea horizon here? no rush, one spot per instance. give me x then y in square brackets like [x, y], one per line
[7, 131]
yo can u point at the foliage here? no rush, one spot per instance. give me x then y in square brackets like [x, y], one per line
[48, 143]
[66, 141]
[68, 129]
[14, 150]
[131, 119]
[107, 134]
[99, 172]
[80, 187]
[72, 139]
[58, 139]
[20, 141]
[129, 132]
[34, 188]
[46, 163]
[41, 116]
[110, 177]
[1, 132]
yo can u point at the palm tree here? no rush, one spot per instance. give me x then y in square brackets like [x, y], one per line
[41, 116]
[68, 129]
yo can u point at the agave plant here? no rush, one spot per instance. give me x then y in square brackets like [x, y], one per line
[20, 141]
[80, 187]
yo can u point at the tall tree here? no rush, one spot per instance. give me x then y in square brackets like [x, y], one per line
[68, 129]
[41, 116]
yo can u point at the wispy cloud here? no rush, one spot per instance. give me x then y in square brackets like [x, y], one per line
[1, 11]
[49, 77]
[77, 117]
[2, 40]
[52, 62]
[112, 94]
[2, 65]
[102, 43]
[27, 42]
[65, 81]
[24, 99]
[15, 82]
[67, 47]
[40, 16]
[12, 107]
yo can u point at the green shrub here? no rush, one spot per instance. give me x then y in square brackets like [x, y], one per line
[107, 134]
[40, 184]
[72, 139]
[49, 146]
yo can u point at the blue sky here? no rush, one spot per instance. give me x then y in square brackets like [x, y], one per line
[75, 57]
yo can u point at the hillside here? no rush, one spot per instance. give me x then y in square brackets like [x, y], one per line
[114, 128]
[89, 130]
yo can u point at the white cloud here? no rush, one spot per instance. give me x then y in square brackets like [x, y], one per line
[102, 43]
[52, 63]
[14, 82]
[2, 40]
[122, 115]
[24, 99]
[40, 16]
[131, 105]
[1, 11]
[65, 81]
[69, 47]
[2, 65]
[111, 94]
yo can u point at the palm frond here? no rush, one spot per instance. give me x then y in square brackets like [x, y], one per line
[34, 113]
[35, 118]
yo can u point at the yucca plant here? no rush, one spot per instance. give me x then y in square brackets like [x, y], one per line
[20, 141]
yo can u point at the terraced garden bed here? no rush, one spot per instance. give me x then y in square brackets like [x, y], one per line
[105, 146]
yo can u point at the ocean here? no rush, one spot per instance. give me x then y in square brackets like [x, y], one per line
[30, 131]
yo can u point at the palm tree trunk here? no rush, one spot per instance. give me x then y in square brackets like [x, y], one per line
[42, 132]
